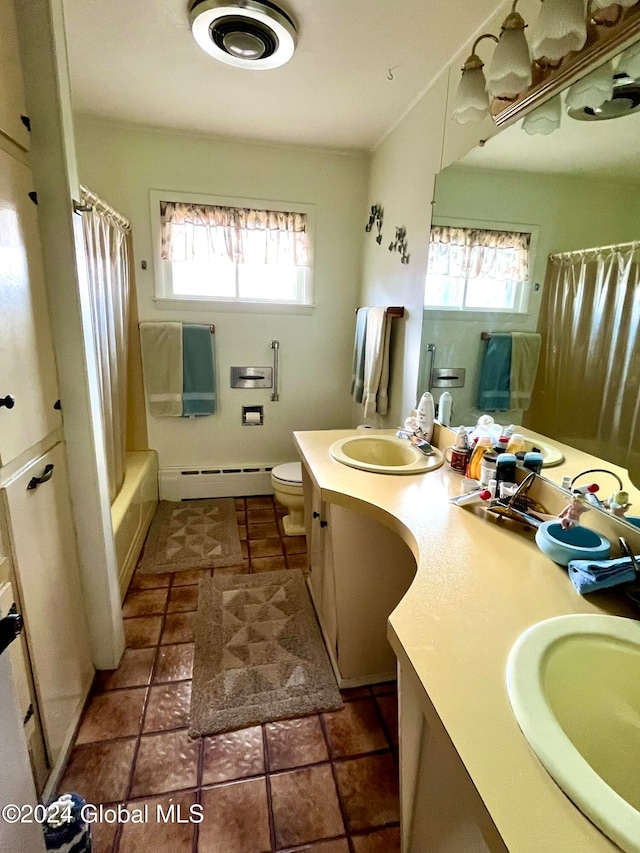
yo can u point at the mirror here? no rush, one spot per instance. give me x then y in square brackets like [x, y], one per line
[575, 189]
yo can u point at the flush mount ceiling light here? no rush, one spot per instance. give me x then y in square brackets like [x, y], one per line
[509, 73]
[252, 34]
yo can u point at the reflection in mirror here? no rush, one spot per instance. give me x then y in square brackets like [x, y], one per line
[573, 195]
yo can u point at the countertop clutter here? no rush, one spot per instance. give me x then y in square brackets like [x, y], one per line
[479, 584]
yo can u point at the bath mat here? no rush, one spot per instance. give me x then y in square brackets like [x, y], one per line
[199, 534]
[259, 653]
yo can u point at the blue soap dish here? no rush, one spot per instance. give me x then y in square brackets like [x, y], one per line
[576, 543]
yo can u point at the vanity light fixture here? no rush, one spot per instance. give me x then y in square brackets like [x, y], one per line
[545, 118]
[561, 27]
[593, 90]
[596, 5]
[472, 98]
[509, 73]
[629, 62]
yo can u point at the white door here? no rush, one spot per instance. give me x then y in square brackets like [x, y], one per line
[28, 380]
[46, 568]
[16, 782]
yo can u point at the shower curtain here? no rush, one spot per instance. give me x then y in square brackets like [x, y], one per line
[588, 383]
[106, 234]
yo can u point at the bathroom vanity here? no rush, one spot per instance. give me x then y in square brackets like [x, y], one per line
[469, 780]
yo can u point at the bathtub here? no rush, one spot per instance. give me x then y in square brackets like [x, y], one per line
[132, 511]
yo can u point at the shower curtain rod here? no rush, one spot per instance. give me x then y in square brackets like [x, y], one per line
[101, 206]
[630, 245]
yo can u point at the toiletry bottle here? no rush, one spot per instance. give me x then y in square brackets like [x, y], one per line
[425, 415]
[516, 443]
[462, 439]
[533, 461]
[483, 445]
[505, 469]
[488, 468]
[444, 408]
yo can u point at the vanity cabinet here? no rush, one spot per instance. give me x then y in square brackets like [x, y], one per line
[359, 571]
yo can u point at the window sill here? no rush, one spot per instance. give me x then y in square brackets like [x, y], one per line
[232, 307]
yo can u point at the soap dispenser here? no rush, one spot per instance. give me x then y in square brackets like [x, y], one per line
[425, 415]
[444, 409]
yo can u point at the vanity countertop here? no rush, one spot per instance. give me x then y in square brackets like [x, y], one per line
[478, 586]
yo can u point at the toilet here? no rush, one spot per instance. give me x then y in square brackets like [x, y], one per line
[287, 488]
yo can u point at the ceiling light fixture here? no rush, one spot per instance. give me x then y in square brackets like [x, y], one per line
[509, 73]
[561, 27]
[544, 119]
[629, 62]
[254, 34]
[472, 98]
[591, 91]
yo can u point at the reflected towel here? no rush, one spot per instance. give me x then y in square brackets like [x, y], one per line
[494, 384]
[161, 345]
[592, 575]
[375, 353]
[198, 370]
[525, 354]
[357, 370]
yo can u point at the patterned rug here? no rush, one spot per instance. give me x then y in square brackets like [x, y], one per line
[192, 535]
[259, 653]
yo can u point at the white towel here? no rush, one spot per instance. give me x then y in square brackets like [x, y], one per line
[374, 360]
[161, 345]
[525, 354]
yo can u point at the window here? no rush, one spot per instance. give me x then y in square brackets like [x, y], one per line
[225, 253]
[472, 269]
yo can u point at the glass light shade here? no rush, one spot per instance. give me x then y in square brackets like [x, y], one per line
[596, 5]
[544, 119]
[629, 62]
[472, 98]
[509, 73]
[560, 28]
[593, 90]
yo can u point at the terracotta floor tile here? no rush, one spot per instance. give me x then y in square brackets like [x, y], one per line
[293, 743]
[165, 762]
[239, 503]
[175, 663]
[383, 841]
[385, 687]
[150, 581]
[339, 845]
[102, 836]
[178, 628]
[191, 576]
[183, 598]
[100, 771]
[355, 729]
[242, 531]
[298, 561]
[262, 530]
[233, 755]
[295, 544]
[244, 548]
[156, 835]
[260, 502]
[116, 713]
[260, 516]
[389, 709]
[233, 570]
[368, 791]
[236, 818]
[349, 693]
[305, 806]
[268, 564]
[241, 517]
[142, 631]
[134, 670]
[145, 602]
[168, 707]
[266, 547]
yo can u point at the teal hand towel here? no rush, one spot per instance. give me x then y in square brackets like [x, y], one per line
[198, 371]
[357, 371]
[494, 384]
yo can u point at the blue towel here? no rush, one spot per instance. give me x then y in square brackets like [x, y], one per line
[357, 370]
[494, 384]
[198, 371]
[592, 575]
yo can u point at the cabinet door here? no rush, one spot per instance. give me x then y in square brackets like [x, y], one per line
[45, 562]
[11, 82]
[27, 363]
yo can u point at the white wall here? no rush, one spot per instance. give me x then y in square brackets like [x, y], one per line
[122, 163]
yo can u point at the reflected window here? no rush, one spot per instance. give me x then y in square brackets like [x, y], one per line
[476, 269]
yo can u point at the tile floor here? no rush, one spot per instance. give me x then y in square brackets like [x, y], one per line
[324, 784]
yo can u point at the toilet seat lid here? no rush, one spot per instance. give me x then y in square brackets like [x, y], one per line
[290, 472]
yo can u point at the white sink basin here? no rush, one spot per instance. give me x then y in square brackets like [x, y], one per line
[574, 686]
[383, 454]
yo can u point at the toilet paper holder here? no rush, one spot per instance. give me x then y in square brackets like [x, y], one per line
[252, 415]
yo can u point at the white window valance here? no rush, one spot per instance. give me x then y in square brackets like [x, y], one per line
[206, 232]
[476, 253]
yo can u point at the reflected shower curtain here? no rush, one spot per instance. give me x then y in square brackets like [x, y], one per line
[105, 240]
[588, 382]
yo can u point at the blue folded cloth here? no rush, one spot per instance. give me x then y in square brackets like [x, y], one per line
[198, 371]
[592, 575]
[494, 383]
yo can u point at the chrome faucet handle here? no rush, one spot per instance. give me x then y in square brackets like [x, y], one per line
[626, 550]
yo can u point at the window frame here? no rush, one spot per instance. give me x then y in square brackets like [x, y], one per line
[164, 297]
[523, 300]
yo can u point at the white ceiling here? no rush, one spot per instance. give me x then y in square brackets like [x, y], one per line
[136, 61]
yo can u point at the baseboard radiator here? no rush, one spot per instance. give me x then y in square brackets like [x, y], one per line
[183, 484]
